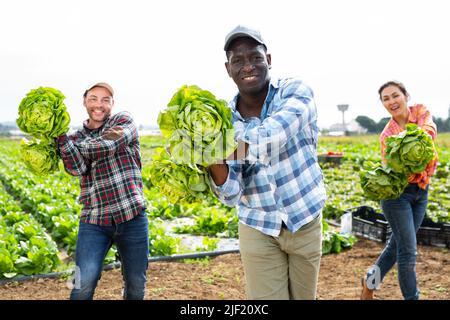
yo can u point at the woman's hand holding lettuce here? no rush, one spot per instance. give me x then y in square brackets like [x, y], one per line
[379, 182]
[410, 151]
[407, 153]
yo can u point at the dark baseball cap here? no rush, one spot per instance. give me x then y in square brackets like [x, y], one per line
[243, 31]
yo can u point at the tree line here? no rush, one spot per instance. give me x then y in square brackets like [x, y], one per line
[443, 125]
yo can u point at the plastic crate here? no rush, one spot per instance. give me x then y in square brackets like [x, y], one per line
[333, 159]
[434, 234]
[368, 223]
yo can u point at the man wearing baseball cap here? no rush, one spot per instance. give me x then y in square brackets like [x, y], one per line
[105, 155]
[273, 178]
[101, 85]
[243, 32]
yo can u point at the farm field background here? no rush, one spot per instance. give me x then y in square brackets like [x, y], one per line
[39, 215]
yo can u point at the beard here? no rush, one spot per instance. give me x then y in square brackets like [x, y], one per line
[98, 116]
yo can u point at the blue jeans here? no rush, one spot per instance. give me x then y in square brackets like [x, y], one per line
[93, 243]
[405, 215]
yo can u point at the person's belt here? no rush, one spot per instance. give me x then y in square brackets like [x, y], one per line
[284, 226]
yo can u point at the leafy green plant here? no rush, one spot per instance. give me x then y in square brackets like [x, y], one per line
[42, 113]
[212, 221]
[161, 244]
[178, 182]
[25, 248]
[198, 126]
[335, 242]
[208, 244]
[40, 156]
[380, 182]
[410, 151]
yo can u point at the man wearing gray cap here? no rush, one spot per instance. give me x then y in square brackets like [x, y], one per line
[273, 178]
[105, 155]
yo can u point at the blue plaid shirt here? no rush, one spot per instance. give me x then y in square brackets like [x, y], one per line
[280, 178]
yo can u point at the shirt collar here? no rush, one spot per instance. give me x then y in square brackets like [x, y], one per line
[85, 127]
[412, 118]
[273, 85]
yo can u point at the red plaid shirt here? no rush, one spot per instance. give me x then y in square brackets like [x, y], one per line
[109, 169]
[419, 115]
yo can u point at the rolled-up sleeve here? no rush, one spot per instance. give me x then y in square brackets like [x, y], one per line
[428, 124]
[103, 146]
[230, 192]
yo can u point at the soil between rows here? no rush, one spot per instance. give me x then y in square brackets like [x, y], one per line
[222, 277]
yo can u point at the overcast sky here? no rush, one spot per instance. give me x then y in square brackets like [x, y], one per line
[147, 49]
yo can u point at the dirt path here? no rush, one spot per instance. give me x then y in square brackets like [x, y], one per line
[222, 277]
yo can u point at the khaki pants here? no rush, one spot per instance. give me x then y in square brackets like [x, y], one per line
[284, 267]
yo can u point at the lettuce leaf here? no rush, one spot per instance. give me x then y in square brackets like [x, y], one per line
[380, 182]
[40, 156]
[410, 151]
[42, 113]
[198, 126]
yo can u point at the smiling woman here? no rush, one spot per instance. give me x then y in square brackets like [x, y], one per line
[404, 212]
[394, 98]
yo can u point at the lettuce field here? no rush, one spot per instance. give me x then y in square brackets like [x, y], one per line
[39, 214]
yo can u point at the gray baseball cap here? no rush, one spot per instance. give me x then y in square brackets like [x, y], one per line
[100, 84]
[243, 31]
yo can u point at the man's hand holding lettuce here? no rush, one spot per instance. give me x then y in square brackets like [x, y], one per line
[198, 126]
[179, 182]
[43, 115]
[200, 133]
[39, 156]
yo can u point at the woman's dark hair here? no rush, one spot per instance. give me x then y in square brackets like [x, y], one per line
[396, 84]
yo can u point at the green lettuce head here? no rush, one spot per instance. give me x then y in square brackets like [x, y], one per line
[198, 126]
[6, 262]
[178, 182]
[410, 151]
[42, 113]
[39, 156]
[380, 182]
